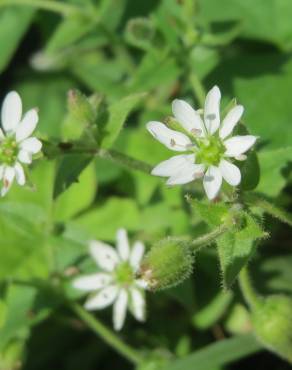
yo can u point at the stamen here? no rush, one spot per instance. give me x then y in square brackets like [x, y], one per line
[196, 131]
[172, 142]
[241, 157]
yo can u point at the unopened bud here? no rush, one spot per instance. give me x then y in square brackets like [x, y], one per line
[80, 108]
[140, 32]
[167, 264]
[272, 322]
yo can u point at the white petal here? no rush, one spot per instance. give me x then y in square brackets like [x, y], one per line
[173, 165]
[104, 255]
[92, 282]
[8, 177]
[123, 244]
[230, 172]
[19, 174]
[238, 145]
[24, 156]
[11, 111]
[173, 140]
[32, 145]
[142, 284]
[212, 110]
[188, 117]
[138, 304]
[103, 298]
[231, 119]
[212, 181]
[120, 309]
[187, 174]
[27, 125]
[136, 255]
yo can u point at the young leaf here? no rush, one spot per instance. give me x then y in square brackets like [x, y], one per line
[70, 167]
[218, 354]
[272, 163]
[236, 247]
[117, 115]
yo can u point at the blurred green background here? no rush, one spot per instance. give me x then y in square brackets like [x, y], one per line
[120, 49]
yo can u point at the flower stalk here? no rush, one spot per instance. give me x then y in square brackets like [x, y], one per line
[106, 334]
[249, 293]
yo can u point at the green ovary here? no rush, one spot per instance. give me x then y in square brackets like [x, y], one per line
[8, 151]
[210, 151]
[124, 274]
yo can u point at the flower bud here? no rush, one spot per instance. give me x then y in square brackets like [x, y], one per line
[167, 264]
[272, 322]
[80, 108]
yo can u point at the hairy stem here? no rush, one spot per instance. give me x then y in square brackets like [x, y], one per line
[249, 293]
[55, 6]
[107, 335]
[255, 200]
[210, 237]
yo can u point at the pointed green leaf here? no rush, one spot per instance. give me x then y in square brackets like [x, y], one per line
[117, 114]
[235, 248]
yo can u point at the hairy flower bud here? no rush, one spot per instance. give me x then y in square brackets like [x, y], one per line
[272, 321]
[80, 108]
[167, 264]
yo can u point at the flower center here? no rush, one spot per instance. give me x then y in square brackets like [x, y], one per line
[124, 274]
[8, 151]
[210, 151]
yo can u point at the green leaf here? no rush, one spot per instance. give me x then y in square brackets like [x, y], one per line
[14, 22]
[69, 169]
[218, 354]
[117, 114]
[19, 302]
[68, 32]
[103, 221]
[235, 248]
[272, 164]
[250, 172]
[214, 214]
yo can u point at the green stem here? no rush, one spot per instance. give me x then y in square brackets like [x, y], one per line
[255, 200]
[52, 151]
[107, 335]
[124, 160]
[54, 6]
[247, 289]
[198, 89]
[210, 237]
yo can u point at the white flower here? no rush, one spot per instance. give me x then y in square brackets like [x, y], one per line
[207, 142]
[16, 145]
[116, 284]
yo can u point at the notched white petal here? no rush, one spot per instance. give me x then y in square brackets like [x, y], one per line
[123, 244]
[138, 304]
[238, 145]
[212, 182]
[92, 282]
[31, 145]
[230, 121]
[173, 140]
[136, 255]
[230, 172]
[24, 156]
[11, 111]
[120, 309]
[173, 165]
[188, 117]
[27, 125]
[104, 298]
[188, 173]
[104, 255]
[212, 110]
[8, 177]
[19, 173]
